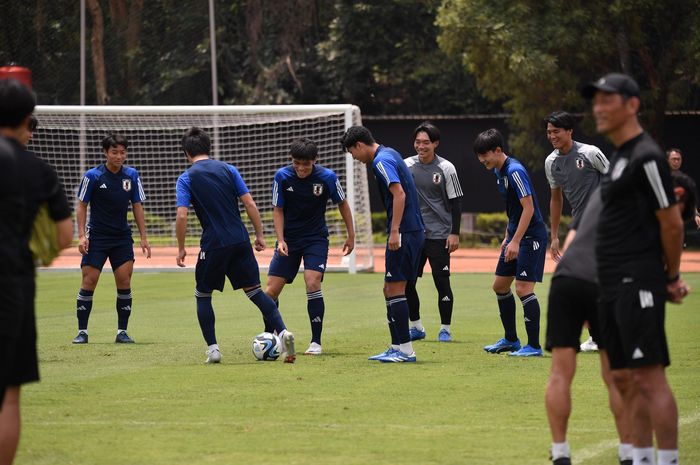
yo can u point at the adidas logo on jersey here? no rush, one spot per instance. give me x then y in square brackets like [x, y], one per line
[103, 186]
[523, 273]
[637, 354]
[290, 189]
[447, 268]
[446, 298]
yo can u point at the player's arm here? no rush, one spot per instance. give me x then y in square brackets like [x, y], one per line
[141, 224]
[278, 221]
[254, 215]
[180, 233]
[346, 214]
[514, 246]
[81, 217]
[399, 202]
[64, 232]
[556, 203]
[452, 242]
[671, 231]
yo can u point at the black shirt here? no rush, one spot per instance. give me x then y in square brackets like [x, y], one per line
[628, 240]
[11, 208]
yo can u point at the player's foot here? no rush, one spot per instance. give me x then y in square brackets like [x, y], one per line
[213, 356]
[444, 336]
[398, 357]
[562, 461]
[589, 345]
[503, 345]
[288, 353]
[416, 334]
[527, 351]
[388, 351]
[81, 338]
[314, 349]
[626, 462]
[123, 338]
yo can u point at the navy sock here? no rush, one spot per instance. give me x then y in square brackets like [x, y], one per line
[267, 307]
[506, 307]
[531, 309]
[83, 308]
[390, 322]
[399, 313]
[268, 326]
[123, 308]
[413, 301]
[445, 298]
[206, 317]
[316, 308]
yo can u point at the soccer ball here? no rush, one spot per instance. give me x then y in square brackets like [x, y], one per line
[266, 346]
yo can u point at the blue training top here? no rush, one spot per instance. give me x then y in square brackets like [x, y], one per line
[389, 168]
[304, 200]
[214, 187]
[514, 184]
[109, 195]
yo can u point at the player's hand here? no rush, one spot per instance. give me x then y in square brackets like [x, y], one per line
[145, 247]
[282, 248]
[452, 243]
[260, 243]
[677, 290]
[349, 246]
[83, 245]
[697, 220]
[512, 250]
[554, 249]
[394, 240]
[181, 254]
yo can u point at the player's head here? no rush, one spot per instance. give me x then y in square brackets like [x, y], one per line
[615, 98]
[29, 132]
[113, 140]
[426, 138]
[196, 142]
[488, 147]
[359, 142]
[560, 129]
[304, 153]
[675, 158]
[684, 188]
[17, 103]
[115, 146]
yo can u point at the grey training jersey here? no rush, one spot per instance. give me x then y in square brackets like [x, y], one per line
[577, 173]
[436, 183]
[579, 260]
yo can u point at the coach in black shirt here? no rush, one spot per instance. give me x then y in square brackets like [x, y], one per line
[639, 243]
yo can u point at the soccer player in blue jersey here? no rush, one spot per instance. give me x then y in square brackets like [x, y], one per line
[213, 188]
[523, 248]
[300, 192]
[405, 231]
[109, 189]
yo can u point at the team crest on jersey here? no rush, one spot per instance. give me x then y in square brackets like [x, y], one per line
[619, 167]
[505, 183]
[579, 163]
[126, 184]
[437, 178]
[318, 189]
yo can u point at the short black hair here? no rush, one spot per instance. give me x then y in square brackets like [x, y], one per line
[16, 101]
[33, 123]
[560, 119]
[487, 141]
[196, 142]
[112, 140]
[673, 149]
[304, 149]
[430, 129]
[356, 134]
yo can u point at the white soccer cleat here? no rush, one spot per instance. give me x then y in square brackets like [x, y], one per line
[213, 356]
[589, 345]
[314, 349]
[288, 353]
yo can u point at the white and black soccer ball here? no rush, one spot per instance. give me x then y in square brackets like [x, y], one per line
[266, 346]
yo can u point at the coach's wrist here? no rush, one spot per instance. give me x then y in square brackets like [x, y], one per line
[673, 279]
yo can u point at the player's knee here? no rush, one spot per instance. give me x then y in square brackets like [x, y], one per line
[442, 285]
[523, 288]
[623, 381]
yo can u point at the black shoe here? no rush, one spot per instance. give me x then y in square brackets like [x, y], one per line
[562, 461]
[123, 338]
[81, 338]
[626, 462]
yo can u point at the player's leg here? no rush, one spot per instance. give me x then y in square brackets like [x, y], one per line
[209, 275]
[416, 329]
[656, 397]
[9, 425]
[439, 257]
[530, 270]
[274, 287]
[315, 307]
[121, 257]
[622, 416]
[282, 271]
[558, 399]
[91, 266]
[506, 309]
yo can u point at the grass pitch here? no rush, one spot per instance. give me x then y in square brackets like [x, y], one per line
[155, 402]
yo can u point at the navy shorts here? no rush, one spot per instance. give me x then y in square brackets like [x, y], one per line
[572, 302]
[235, 262]
[119, 251]
[435, 251]
[402, 264]
[314, 251]
[529, 265]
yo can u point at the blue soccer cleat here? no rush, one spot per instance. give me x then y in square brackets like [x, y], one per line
[444, 336]
[527, 351]
[398, 357]
[503, 345]
[81, 338]
[416, 334]
[388, 351]
[123, 338]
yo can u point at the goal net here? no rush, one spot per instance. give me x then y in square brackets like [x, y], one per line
[255, 139]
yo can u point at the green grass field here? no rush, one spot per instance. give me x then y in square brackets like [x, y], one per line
[156, 402]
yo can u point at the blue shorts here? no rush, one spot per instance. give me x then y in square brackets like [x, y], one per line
[313, 251]
[235, 262]
[119, 251]
[402, 264]
[529, 265]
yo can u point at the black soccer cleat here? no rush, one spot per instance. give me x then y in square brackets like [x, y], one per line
[123, 338]
[81, 338]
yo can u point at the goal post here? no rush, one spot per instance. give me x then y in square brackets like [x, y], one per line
[253, 138]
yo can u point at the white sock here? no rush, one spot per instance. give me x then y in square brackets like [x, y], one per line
[560, 449]
[82, 331]
[121, 331]
[643, 456]
[395, 346]
[668, 456]
[418, 325]
[214, 347]
[445, 327]
[406, 348]
[624, 451]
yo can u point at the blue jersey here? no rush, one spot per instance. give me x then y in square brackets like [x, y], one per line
[109, 195]
[213, 188]
[514, 184]
[389, 168]
[304, 200]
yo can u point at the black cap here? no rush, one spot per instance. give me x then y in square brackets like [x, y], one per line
[614, 83]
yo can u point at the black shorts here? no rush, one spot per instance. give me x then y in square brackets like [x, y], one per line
[572, 302]
[439, 256]
[236, 262]
[632, 325]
